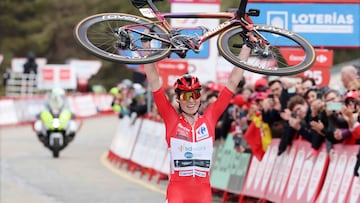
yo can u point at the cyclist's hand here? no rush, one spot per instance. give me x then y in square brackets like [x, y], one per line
[249, 39]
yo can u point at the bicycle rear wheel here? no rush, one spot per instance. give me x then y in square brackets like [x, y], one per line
[117, 37]
[281, 41]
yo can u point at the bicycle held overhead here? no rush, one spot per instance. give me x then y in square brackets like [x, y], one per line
[117, 37]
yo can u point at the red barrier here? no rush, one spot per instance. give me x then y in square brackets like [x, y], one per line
[307, 174]
[297, 175]
[281, 174]
[259, 173]
[340, 177]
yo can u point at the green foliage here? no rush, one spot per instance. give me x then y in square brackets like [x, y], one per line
[45, 27]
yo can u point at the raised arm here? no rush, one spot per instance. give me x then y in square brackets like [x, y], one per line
[151, 72]
[237, 73]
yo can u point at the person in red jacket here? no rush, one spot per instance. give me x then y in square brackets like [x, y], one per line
[190, 135]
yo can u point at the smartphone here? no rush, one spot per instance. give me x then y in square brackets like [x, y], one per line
[334, 106]
[291, 90]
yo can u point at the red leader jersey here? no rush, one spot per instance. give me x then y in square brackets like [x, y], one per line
[190, 148]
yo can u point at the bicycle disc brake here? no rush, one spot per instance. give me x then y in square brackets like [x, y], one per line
[259, 48]
[124, 40]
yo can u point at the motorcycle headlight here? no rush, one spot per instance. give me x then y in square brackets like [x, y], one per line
[56, 123]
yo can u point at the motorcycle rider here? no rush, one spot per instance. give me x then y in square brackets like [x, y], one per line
[56, 106]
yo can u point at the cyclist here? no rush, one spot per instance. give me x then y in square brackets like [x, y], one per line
[190, 136]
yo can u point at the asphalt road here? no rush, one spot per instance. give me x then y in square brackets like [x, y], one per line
[82, 173]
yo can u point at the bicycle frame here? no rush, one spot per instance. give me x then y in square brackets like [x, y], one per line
[239, 17]
[125, 34]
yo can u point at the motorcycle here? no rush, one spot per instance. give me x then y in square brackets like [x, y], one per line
[55, 127]
[55, 130]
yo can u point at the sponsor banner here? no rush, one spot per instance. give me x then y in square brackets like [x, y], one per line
[29, 109]
[229, 168]
[8, 112]
[307, 174]
[321, 24]
[125, 136]
[170, 70]
[321, 75]
[280, 175]
[223, 70]
[197, 1]
[340, 176]
[17, 64]
[319, 71]
[259, 172]
[324, 57]
[155, 148]
[162, 148]
[103, 102]
[56, 75]
[165, 169]
[144, 144]
[85, 68]
[354, 195]
[82, 105]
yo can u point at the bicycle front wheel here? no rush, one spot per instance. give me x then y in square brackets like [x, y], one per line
[274, 61]
[117, 37]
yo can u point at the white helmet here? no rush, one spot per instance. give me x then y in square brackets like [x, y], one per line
[57, 98]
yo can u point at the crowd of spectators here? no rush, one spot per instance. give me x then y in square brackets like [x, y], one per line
[287, 108]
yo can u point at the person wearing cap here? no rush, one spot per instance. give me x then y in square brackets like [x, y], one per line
[351, 113]
[261, 85]
[190, 135]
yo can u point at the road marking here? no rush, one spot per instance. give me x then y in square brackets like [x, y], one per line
[106, 163]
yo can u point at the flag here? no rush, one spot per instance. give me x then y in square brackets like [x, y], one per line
[258, 136]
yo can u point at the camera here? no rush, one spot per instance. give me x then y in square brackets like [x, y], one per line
[293, 114]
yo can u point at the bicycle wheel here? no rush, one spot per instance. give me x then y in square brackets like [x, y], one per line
[274, 62]
[117, 37]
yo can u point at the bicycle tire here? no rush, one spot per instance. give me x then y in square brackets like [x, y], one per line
[287, 39]
[96, 34]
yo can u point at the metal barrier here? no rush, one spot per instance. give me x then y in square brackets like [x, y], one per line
[21, 85]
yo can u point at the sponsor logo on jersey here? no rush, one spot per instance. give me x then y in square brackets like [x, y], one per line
[202, 132]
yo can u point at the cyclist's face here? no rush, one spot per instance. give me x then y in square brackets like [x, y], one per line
[189, 102]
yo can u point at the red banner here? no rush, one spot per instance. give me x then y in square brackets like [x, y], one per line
[170, 70]
[307, 174]
[48, 74]
[56, 75]
[259, 173]
[340, 176]
[321, 75]
[324, 57]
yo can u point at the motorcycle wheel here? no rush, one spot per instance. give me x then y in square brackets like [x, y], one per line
[56, 148]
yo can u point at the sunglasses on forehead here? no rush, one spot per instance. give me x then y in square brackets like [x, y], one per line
[191, 94]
